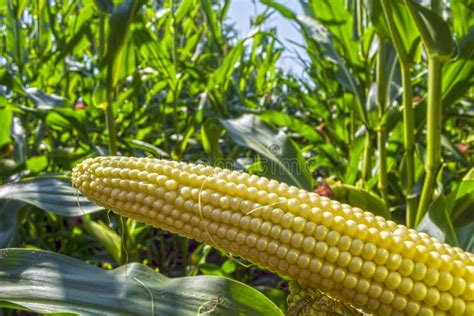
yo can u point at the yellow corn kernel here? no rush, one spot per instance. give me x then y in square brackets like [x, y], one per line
[406, 286]
[393, 280]
[419, 271]
[412, 308]
[399, 303]
[432, 296]
[368, 269]
[353, 255]
[459, 286]
[445, 301]
[469, 309]
[431, 277]
[445, 281]
[426, 311]
[458, 307]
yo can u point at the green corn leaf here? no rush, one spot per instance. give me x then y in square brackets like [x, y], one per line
[324, 39]
[458, 75]
[437, 222]
[210, 133]
[222, 75]
[292, 123]
[213, 23]
[7, 115]
[12, 83]
[105, 6]
[281, 159]
[8, 221]
[466, 237]
[434, 31]
[49, 194]
[403, 27]
[183, 9]
[119, 25]
[47, 282]
[45, 101]
[107, 237]
[358, 197]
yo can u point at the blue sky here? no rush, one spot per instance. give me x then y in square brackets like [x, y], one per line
[240, 13]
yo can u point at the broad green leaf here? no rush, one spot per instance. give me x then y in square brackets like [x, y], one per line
[339, 21]
[18, 134]
[451, 152]
[229, 266]
[12, 83]
[458, 75]
[437, 222]
[319, 34]
[350, 176]
[44, 43]
[72, 118]
[393, 76]
[16, 35]
[211, 131]
[47, 282]
[222, 74]
[375, 13]
[180, 148]
[292, 123]
[461, 209]
[324, 39]
[99, 95]
[78, 41]
[9, 167]
[141, 145]
[463, 198]
[463, 17]
[467, 184]
[69, 119]
[391, 86]
[281, 159]
[213, 23]
[210, 269]
[37, 164]
[20, 6]
[434, 31]
[8, 221]
[119, 25]
[149, 44]
[361, 198]
[466, 237]
[392, 117]
[83, 17]
[6, 115]
[400, 28]
[287, 13]
[105, 6]
[45, 101]
[107, 237]
[49, 194]
[183, 9]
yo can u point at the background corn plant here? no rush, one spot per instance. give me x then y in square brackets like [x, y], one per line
[382, 119]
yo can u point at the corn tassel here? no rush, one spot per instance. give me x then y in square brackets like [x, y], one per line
[352, 255]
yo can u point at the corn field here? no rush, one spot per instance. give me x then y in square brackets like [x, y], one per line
[154, 160]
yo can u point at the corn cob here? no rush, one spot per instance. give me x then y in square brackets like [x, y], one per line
[352, 255]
